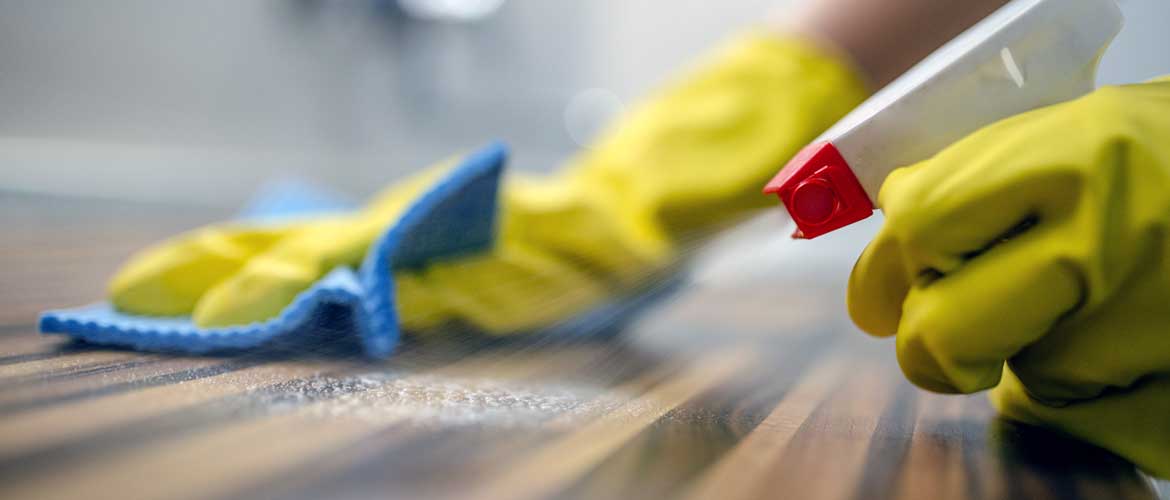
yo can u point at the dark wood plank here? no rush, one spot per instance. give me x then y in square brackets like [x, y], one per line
[740, 391]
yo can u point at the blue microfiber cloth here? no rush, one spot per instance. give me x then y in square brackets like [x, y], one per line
[456, 216]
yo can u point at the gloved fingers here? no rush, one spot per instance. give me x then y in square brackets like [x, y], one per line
[877, 287]
[934, 228]
[940, 230]
[269, 281]
[990, 186]
[957, 330]
[1131, 422]
[1103, 350]
[515, 288]
[169, 278]
[257, 293]
[944, 213]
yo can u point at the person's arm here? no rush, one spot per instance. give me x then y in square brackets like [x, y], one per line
[885, 38]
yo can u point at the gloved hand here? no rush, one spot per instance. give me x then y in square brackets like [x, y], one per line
[681, 166]
[1035, 255]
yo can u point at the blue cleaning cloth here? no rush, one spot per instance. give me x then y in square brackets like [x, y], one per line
[456, 216]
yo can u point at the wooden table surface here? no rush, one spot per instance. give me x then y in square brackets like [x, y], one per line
[719, 392]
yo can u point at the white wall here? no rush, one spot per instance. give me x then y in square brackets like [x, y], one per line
[1142, 50]
[200, 102]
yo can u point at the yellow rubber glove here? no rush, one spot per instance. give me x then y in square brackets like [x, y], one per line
[1038, 249]
[685, 163]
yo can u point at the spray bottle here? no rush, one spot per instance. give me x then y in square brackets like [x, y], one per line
[1026, 55]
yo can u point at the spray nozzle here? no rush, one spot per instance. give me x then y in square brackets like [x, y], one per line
[820, 191]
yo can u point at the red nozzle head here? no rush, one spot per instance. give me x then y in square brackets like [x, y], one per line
[820, 191]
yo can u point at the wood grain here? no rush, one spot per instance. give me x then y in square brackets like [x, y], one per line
[718, 392]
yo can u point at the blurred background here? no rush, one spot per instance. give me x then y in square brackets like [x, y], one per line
[201, 102]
